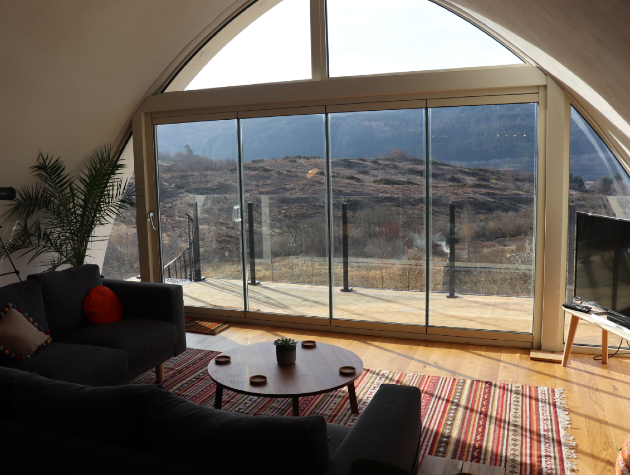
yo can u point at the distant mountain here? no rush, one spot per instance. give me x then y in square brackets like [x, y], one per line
[501, 137]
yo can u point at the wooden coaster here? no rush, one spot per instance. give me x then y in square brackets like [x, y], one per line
[309, 344]
[347, 370]
[223, 359]
[258, 379]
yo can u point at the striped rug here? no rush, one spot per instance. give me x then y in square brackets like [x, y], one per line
[522, 428]
[204, 326]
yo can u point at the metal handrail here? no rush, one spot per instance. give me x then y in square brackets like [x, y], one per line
[185, 266]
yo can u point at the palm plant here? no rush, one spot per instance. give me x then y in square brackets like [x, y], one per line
[57, 217]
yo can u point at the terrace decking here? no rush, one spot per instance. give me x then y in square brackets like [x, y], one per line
[480, 312]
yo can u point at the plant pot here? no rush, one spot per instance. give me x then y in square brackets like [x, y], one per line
[286, 355]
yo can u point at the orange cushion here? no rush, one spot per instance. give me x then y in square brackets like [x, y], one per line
[102, 306]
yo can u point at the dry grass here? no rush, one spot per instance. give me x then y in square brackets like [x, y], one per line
[404, 275]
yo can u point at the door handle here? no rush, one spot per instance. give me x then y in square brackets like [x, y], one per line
[236, 213]
[150, 216]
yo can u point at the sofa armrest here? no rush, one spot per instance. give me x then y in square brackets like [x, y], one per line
[152, 301]
[388, 430]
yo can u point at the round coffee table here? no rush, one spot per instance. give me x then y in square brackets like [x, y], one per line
[315, 371]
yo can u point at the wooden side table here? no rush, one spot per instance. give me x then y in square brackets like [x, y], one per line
[599, 320]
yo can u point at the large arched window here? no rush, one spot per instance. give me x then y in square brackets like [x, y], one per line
[271, 41]
[398, 183]
[374, 37]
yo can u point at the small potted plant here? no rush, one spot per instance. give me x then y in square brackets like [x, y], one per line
[285, 350]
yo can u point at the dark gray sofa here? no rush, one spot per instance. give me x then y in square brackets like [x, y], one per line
[79, 429]
[150, 332]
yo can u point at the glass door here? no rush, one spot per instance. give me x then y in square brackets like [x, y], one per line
[483, 184]
[284, 176]
[339, 215]
[200, 211]
[378, 173]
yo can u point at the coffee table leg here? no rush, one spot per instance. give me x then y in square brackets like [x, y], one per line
[218, 397]
[296, 406]
[353, 398]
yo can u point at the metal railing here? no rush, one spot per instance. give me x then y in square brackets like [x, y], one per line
[181, 267]
[187, 265]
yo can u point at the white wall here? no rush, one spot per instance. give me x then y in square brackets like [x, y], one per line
[72, 73]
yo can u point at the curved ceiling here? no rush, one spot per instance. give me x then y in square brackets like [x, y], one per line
[73, 72]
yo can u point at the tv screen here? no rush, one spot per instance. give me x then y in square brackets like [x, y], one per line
[602, 261]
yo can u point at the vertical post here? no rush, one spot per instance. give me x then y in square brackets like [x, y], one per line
[266, 232]
[196, 252]
[571, 254]
[344, 245]
[191, 263]
[555, 235]
[428, 205]
[451, 254]
[185, 265]
[252, 247]
[319, 58]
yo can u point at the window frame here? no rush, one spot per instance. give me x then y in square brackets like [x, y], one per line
[475, 86]
[481, 85]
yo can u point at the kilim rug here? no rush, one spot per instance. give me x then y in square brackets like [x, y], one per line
[207, 327]
[522, 428]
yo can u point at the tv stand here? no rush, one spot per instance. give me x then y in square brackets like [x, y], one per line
[595, 318]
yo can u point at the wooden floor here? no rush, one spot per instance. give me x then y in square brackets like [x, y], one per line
[480, 312]
[598, 396]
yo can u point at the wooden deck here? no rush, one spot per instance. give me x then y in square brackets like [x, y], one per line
[598, 397]
[479, 312]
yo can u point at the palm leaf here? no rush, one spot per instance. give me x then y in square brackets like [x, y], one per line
[64, 210]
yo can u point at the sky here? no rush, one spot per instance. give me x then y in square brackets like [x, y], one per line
[364, 37]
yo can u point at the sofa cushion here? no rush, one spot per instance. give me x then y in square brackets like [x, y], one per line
[28, 296]
[45, 449]
[239, 443]
[7, 376]
[64, 292]
[83, 364]
[111, 414]
[18, 336]
[336, 435]
[102, 306]
[142, 340]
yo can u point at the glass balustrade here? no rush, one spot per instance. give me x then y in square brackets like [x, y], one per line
[261, 214]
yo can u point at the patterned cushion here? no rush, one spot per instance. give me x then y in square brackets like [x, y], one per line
[19, 337]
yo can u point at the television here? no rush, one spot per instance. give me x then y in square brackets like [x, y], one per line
[602, 262]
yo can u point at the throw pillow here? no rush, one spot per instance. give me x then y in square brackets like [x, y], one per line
[102, 305]
[19, 336]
